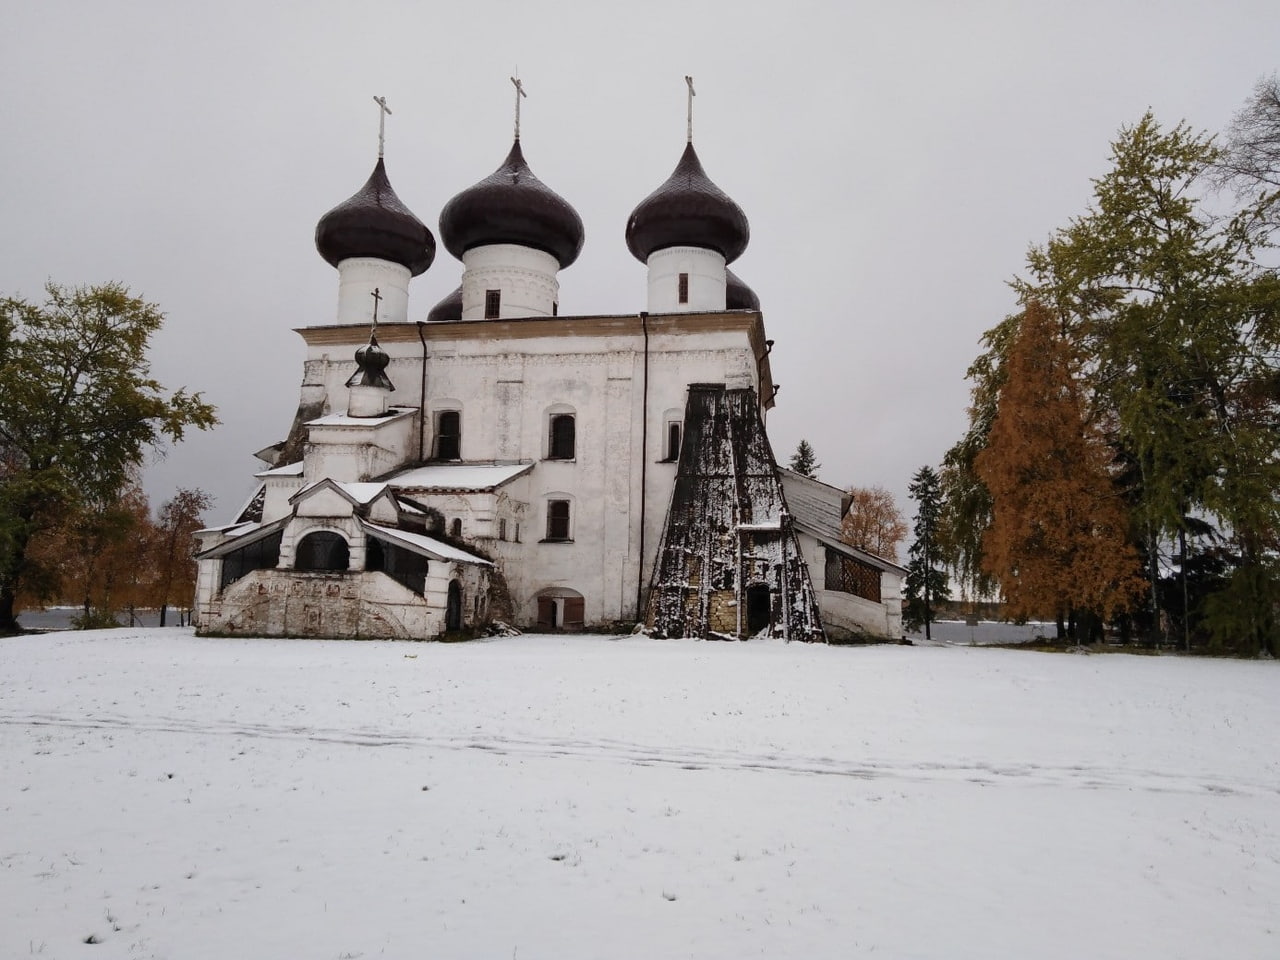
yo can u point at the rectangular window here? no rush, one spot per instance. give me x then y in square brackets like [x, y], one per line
[557, 519]
[684, 288]
[492, 304]
[561, 444]
[448, 435]
[502, 529]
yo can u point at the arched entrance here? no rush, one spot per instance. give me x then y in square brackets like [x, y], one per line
[453, 607]
[561, 608]
[759, 608]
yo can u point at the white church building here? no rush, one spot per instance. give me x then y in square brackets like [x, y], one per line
[498, 461]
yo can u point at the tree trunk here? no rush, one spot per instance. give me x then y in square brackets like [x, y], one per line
[8, 622]
[164, 607]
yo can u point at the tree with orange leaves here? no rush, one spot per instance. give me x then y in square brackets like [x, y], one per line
[1058, 542]
[873, 522]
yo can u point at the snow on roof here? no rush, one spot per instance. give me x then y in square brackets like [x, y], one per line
[361, 493]
[343, 420]
[289, 470]
[421, 543]
[459, 476]
[762, 525]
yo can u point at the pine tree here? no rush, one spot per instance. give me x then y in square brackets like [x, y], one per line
[803, 460]
[1057, 544]
[927, 582]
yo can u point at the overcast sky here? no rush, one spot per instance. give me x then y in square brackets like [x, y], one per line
[895, 161]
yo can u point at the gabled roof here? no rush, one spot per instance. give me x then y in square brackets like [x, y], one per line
[475, 477]
[359, 494]
[241, 535]
[815, 507]
[422, 544]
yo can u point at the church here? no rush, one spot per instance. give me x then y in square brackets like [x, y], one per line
[501, 463]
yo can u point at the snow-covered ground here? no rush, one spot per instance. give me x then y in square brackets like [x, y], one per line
[556, 797]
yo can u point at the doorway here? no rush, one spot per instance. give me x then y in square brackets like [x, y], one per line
[759, 608]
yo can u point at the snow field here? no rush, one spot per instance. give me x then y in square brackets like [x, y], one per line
[580, 797]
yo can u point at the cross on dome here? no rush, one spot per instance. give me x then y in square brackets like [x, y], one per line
[519, 85]
[692, 93]
[383, 112]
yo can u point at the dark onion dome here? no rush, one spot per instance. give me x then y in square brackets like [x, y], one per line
[371, 366]
[450, 308]
[511, 205]
[737, 295]
[375, 223]
[688, 211]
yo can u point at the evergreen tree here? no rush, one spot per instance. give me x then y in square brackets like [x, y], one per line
[1057, 543]
[927, 582]
[803, 460]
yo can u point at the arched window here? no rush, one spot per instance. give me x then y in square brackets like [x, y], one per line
[455, 528]
[559, 526]
[321, 550]
[561, 446]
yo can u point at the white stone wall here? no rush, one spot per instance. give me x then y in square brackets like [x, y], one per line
[524, 277]
[706, 278]
[358, 277]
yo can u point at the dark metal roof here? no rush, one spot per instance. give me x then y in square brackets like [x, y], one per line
[511, 205]
[688, 210]
[450, 308]
[371, 366]
[375, 223]
[737, 295]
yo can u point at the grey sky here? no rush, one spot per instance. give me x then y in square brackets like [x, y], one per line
[895, 161]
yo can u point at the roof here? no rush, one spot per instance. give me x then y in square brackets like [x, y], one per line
[816, 509]
[288, 470]
[359, 494]
[343, 420]
[511, 205]
[241, 535]
[375, 223]
[427, 546]
[458, 476]
[688, 210]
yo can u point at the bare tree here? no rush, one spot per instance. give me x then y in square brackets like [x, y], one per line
[1251, 162]
[179, 520]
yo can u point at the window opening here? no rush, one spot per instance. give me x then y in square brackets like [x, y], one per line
[563, 429]
[684, 288]
[502, 529]
[403, 566]
[673, 441]
[492, 304]
[448, 435]
[262, 554]
[558, 520]
[322, 550]
[455, 528]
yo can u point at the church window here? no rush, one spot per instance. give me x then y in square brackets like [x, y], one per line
[684, 288]
[558, 525]
[492, 304]
[517, 536]
[448, 435]
[673, 440]
[262, 554]
[561, 445]
[502, 529]
[322, 550]
[455, 528]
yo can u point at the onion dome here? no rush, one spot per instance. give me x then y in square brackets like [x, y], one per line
[511, 205]
[375, 223]
[688, 210]
[371, 366]
[737, 295]
[450, 308]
